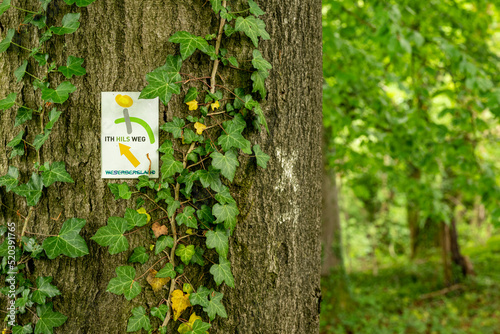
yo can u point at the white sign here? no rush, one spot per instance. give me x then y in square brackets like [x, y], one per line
[129, 136]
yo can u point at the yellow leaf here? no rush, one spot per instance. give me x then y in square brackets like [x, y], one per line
[144, 212]
[155, 282]
[188, 326]
[189, 231]
[215, 105]
[193, 105]
[124, 101]
[199, 127]
[180, 302]
[151, 247]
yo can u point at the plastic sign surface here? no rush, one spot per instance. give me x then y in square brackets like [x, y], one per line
[129, 136]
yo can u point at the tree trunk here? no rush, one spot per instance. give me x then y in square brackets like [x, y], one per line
[274, 251]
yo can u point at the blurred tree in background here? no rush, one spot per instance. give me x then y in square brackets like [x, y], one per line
[411, 111]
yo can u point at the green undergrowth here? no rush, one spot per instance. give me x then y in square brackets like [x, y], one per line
[392, 302]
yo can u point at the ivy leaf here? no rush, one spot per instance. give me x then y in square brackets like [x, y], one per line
[216, 5]
[26, 329]
[68, 242]
[253, 28]
[227, 163]
[44, 4]
[5, 43]
[40, 139]
[261, 157]
[163, 81]
[8, 102]
[260, 63]
[260, 116]
[259, 78]
[167, 148]
[200, 297]
[189, 43]
[174, 127]
[44, 290]
[185, 253]
[21, 71]
[124, 283]
[224, 212]
[70, 24]
[160, 312]
[191, 95]
[56, 172]
[170, 166]
[10, 180]
[198, 256]
[232, 137]
[138, 320]
[222, 272]
[210, 177]
[120, 190]
[255, 9]
[79, 3]
[219, 240]
[4, 6]
[224, 196]
[53, 117]
[163, 242]
[199, 327]
[73, 67]
[135, 219]
[139, 255]
[58, 95]
[16, 140]
[172, 206]
[215, 306]
[167, 271]
[31, 190]
[23, 114]
[48, 319]
[187, 218]
[205, 214]
[41, 58]
[112, 235]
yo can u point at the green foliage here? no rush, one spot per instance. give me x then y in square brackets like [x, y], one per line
[189, 43]
[48, 319]
[138, 320]
[124, 283]
[73, 67]
[68, 242]
[112, 235]
[139, 255]
[70, 24]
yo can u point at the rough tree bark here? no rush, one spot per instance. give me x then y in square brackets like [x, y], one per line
[275, 250]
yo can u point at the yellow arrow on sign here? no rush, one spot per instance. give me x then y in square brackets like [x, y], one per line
[125, 150]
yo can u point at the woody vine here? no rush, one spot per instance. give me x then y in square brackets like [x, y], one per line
[199, 160]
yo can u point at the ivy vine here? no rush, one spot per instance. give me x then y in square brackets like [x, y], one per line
[32, 294]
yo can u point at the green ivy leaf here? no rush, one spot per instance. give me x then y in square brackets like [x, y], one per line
[226, 163]
[70, 24]
[200, 297]
[216, 5]
[163, 81]
[260, 63]
[174, 127]
[189, 43]
[188, 179]
[8, 102]
[26, 329]
[172, 206]
[219, 240]
[16, 140]
[58, 95]
[31, 190]
[185, 253]
[21, 71]
[139, 255]
[210, 177]
[5, 43]
[163, 242]
[10, 180]
[253, 28]
[199, 327]
[79, 3]
[255, 9]
[48, 319]
[198, 256]
[215, 306]
[224, 212]
[68, 242]
[41, 58]
[224, 196]
[167, 147]
[112, 235]
[260, 115]
[56, 172]
[259, 78]
[23, 114]
[138, 320]
[187, 218]
[191, 95]
[44, 290]
[45, 3]
[31, 246]
[222, 272]
[4, 6]
[205, 214]
[73, 67]
[135, 219]
[124, 283]
[232, 136]
[161, 311]
[190, 136]
[120, 190]
[233, 61]
[40, 139]
[167, 271]
[170, 166]
[53, 117]
[261, 157]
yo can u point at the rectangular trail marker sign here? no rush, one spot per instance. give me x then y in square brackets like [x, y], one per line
[129, 136]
